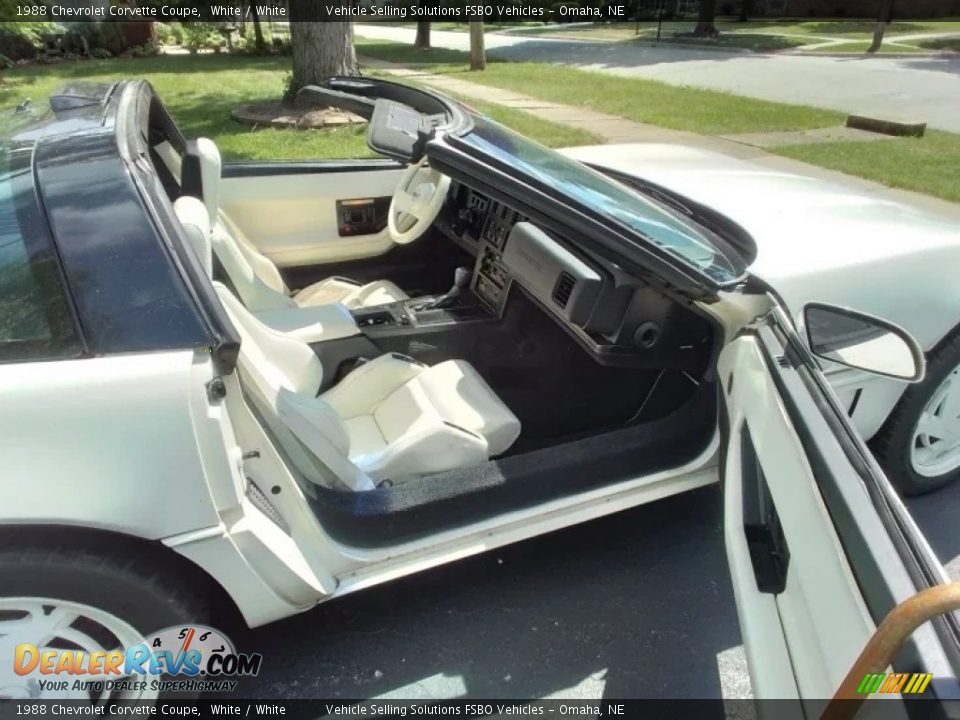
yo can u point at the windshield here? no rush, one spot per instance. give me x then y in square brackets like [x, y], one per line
[667, 228]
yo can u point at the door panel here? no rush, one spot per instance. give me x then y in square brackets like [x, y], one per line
[292, 217]
[850, 550]
[802, 640]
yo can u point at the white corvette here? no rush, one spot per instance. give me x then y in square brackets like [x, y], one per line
[255, 381]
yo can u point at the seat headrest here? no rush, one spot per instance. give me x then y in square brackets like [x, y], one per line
[200, 174]
[195, 220]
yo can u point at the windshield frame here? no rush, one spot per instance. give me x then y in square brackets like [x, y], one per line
[737, 246]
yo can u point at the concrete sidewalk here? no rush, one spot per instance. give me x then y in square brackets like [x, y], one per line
[615, 129]
[915, 88]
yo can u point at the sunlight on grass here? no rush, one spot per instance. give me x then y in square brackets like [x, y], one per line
[201, 91]
[927, 165]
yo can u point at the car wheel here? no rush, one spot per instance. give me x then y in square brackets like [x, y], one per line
[81, 598]
[919, 445]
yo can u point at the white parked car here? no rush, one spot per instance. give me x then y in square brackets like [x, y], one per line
[253, 380]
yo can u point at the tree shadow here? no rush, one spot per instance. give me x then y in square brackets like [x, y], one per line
[635, 605]
[949, 64]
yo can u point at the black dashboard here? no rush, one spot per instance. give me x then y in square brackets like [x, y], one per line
[617, 318]
[509, 248]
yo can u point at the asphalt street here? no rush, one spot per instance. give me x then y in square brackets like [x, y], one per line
[637, 605]
[922, 88]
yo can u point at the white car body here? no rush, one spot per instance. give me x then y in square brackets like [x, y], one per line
[151, 448]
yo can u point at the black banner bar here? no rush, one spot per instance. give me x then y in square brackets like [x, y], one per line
[876, 709]
[331, 11]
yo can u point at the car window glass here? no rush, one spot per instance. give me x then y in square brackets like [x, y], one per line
[671, 231]
[35, 320]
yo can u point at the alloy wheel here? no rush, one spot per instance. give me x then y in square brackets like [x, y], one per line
[61, 625]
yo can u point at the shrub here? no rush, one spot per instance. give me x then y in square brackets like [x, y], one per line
[164, 33]
[197, 36]
[147, 49]
[22, 40]
[86, 37]
[100, 53]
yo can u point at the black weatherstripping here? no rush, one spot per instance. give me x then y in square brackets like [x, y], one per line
[423, 101]
[267, 168]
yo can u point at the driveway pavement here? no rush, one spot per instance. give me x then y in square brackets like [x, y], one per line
[635, 605]
[925, 89]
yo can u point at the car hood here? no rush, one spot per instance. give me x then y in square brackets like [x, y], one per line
[816, 240]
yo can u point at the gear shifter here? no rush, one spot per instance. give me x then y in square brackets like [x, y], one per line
[461, 281]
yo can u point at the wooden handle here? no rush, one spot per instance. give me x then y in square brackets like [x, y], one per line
[886, 642]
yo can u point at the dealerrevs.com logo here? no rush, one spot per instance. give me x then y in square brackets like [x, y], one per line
[177, 659]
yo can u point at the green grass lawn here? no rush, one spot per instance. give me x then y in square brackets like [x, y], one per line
[648, 101]
[751, 39]
[201, 90]
[927, 165]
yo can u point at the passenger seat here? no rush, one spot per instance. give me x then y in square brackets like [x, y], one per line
[253, 275]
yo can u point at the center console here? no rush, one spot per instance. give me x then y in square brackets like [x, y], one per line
[492, 277]
[406, 317]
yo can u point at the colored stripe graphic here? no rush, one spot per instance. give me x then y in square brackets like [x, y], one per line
[893, 683]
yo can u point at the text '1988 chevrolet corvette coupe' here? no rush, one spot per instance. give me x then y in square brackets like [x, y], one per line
[287, 381]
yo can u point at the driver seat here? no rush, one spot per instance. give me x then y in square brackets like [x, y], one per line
[253, 275]
[390, 419]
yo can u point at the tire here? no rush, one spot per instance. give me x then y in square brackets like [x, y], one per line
[118, 594]
[896, 445]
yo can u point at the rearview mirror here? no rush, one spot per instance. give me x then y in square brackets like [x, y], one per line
[862, 341]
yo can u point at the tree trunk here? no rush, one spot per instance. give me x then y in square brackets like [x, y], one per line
[705, 20]
[478, 53]
[423, 35]
[320, 49]
[258, 42]
[883, 19]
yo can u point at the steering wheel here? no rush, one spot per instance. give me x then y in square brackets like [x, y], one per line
[416, 202]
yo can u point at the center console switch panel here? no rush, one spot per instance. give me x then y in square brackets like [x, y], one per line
[555, 276]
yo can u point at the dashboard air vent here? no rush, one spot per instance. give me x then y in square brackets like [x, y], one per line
[564, 289]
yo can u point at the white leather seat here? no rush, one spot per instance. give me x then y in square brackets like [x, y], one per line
[391, 417]
[253, 275]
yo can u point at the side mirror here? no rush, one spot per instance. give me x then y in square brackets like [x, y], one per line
[862, 341]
